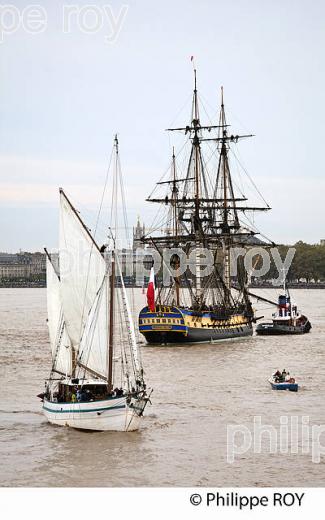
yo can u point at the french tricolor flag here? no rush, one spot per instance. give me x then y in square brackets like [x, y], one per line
[151, 291]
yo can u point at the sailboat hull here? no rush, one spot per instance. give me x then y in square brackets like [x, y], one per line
[106, 415]
[174, 325]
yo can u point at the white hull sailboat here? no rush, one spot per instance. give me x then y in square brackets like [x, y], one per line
[113, 413]
[96, 381]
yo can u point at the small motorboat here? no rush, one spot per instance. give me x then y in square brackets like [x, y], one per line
[283, 381]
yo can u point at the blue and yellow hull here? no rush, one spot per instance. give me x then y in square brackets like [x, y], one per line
[178, 325]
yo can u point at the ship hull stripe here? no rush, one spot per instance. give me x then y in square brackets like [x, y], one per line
[83, 411]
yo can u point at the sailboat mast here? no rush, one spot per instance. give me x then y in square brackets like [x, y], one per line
[111, 325]
[112, 277]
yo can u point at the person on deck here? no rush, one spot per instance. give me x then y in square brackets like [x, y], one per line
[89, 395]
[283, 375]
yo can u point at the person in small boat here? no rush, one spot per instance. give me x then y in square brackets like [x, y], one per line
[277, 376]
[283, 375]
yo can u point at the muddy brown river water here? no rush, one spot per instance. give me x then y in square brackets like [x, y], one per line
[199, 390]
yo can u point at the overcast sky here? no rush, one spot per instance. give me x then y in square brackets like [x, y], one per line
[63, 95]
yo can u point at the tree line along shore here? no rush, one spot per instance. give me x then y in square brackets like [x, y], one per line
[307, 267]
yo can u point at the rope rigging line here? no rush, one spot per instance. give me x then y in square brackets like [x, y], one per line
[167, 170]
[249, 177]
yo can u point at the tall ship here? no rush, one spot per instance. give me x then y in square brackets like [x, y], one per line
[202, 212]
[96, 380]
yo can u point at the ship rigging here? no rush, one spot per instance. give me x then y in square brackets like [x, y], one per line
[203, 213]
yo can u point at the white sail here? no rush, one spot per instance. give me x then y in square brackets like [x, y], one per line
[82, 270]
[59, 339]
[93, 350]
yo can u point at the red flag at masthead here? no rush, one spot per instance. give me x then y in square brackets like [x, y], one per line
[151, 291]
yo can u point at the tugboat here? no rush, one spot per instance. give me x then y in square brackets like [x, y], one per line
[203, 213]
[287, 320]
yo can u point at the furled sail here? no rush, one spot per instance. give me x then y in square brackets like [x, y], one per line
[59, 339]
[94, 343]
[82, 270]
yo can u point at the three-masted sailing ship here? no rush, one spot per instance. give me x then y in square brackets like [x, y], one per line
[97, 380]
[201, 214]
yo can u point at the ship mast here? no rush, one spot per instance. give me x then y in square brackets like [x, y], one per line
[284, 279]
[111, 325]
[197, 178]
[175, 224]
[174, 197]
[196, 148]
[229, 224]
[223, 170]
[112, 277]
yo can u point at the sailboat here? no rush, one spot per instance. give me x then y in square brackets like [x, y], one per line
[201, 214]
[97, 378]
